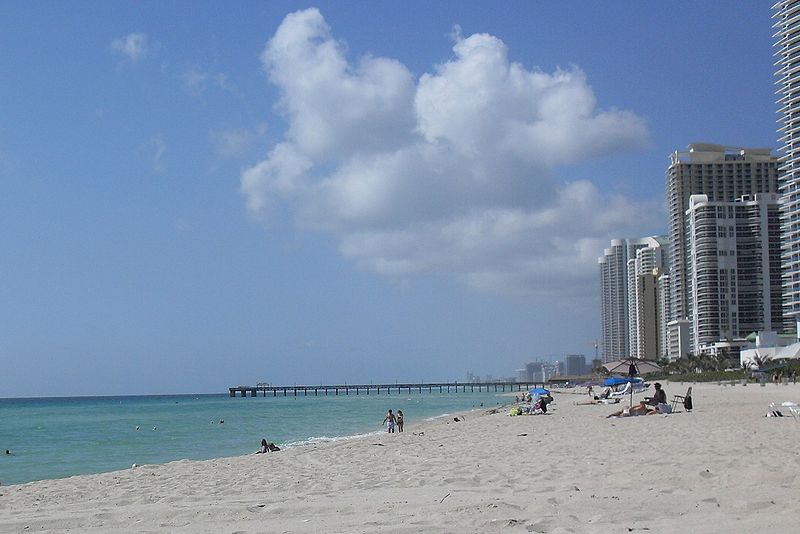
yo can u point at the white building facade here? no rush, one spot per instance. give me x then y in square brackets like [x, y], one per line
[625, 316]
[734, 267]
[786, 15]
[722, 174]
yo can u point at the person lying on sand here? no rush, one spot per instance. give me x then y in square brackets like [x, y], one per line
[605, 395]
[641, 409]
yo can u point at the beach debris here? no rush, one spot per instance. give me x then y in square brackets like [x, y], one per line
[443, 498]
[520, 435]
[379, 444]
[457, 420]
[134, 466]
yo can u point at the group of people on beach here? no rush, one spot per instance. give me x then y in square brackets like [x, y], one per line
[530, 406]
[393, 420]
[779, 378]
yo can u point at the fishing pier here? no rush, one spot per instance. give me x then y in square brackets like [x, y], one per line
[366, 389]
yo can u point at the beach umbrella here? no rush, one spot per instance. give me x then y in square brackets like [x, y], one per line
[632, 367]
[533, 392]
[617, 380]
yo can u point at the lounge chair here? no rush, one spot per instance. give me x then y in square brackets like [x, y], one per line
[775, 410]
[621, 393]
[686, 400]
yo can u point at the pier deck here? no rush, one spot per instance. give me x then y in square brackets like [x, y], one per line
[358, 389]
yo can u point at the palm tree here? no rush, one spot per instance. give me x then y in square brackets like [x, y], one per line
[760, 361]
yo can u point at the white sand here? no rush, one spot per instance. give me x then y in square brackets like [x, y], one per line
[722, 468]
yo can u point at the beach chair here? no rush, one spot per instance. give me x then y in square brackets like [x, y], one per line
[686, 400]
[623, 392]
[778, 410]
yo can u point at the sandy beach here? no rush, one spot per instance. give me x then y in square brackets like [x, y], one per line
[724, 467]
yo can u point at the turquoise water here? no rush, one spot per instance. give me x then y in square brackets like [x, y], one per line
[60, 437]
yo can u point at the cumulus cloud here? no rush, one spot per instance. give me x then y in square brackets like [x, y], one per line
[234, 143]
[454, 171]
[152, 151]
[133, 46]
[194, 81]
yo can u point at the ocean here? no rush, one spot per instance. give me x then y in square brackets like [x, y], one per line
[61, 437]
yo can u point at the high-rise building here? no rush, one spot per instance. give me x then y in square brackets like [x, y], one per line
[644, 310]
[721, 173]
[576, 364]
[734, 261]
[619, 266]
[648, 319]
[535, 372]
[787, 50]
[678, 339]
[664, 315]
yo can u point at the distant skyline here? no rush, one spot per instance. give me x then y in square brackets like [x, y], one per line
[195, 196]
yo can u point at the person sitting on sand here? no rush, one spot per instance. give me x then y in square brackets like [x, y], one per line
[390, 421]
[399, 420]
[267, 446]
[659, 397]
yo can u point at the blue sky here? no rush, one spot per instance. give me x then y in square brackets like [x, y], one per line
[196, 195]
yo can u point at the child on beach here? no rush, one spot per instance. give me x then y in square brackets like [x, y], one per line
[399, 420]
[390, 421]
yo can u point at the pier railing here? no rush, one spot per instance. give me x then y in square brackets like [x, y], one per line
[366, 389]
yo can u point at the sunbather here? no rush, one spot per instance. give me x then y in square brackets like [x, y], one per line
[641, 409]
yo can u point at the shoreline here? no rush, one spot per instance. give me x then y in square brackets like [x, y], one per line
[102, 434]
[723, 467]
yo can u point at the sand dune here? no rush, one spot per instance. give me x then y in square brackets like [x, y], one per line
[722, 468]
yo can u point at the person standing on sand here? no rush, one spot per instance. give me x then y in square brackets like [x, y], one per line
[399, 420]
[390, 421]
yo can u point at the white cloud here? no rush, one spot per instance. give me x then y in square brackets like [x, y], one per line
[152, 151]
[452, 172]
[194, 81]
[133, 46]
[235, 142]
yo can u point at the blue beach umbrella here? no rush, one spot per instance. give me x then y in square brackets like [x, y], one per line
[617, 380]
[538, 391]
